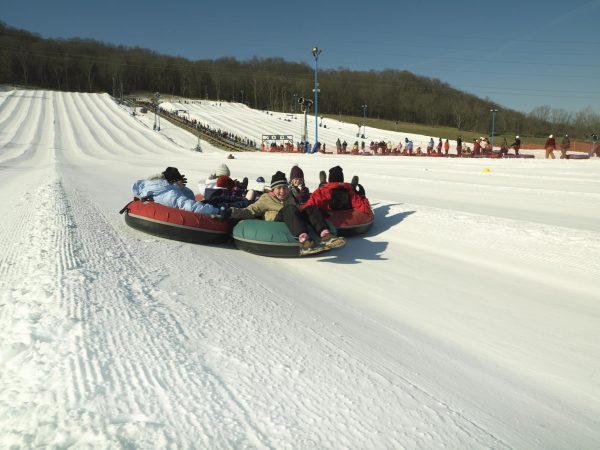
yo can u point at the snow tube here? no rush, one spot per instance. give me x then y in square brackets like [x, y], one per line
[177, 224]
[350, 222]
[267, 238]
[578, 156]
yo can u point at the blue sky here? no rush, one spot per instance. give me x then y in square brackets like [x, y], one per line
[520, 54]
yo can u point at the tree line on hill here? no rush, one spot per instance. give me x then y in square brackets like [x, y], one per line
[86, 65]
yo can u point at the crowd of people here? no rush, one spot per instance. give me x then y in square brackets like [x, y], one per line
[289, 201]
[479, 147]
[226, 137]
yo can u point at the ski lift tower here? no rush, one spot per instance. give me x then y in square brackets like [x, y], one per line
[198, 148]
[305, 105]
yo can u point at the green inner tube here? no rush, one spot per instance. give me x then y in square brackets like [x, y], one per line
[268, 238]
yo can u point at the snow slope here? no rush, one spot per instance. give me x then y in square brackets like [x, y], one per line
[468, 317]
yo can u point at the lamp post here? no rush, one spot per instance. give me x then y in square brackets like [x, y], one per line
[316, 52]
[294, 104]
[242, 91]
[493, 111]
[156, 118]
[364, 108]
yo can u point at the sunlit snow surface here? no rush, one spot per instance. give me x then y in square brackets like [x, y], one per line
[468, 317]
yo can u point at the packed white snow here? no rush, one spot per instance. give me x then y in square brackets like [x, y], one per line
[467, 317]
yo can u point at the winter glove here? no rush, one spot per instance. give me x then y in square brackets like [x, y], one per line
[224, 213]
[360, 190]
[243, 185]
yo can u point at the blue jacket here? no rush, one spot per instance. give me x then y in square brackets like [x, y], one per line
[172, 196]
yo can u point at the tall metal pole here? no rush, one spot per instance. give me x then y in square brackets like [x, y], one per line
[364, 107]
[493, 111]
[156, 118]
[316, 52]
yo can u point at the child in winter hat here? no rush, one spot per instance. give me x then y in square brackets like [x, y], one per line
[299, 190]
[278, 179]
[296, 173]
[222, 170]
[172, 175]
[336, 174]
[225, 182]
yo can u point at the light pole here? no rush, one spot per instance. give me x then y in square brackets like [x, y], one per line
[156, 118]
[242, 91]
[364, 108]
[294, 104]
[493, 111]
[316, 52]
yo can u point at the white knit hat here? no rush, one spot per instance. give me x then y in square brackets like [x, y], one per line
[222, 171]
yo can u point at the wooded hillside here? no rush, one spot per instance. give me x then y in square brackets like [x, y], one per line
[272, 83]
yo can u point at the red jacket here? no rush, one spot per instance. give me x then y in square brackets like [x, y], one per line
[321, 197]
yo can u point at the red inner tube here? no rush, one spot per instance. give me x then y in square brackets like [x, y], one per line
[174, 216]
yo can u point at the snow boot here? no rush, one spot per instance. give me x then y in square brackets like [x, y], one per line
[309, 247]
[330, 241]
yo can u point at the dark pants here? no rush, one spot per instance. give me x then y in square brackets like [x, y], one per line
[298, 219]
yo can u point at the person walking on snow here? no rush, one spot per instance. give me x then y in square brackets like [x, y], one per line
[550, 146]
[565, 145]
[595, 145]
[516, 145]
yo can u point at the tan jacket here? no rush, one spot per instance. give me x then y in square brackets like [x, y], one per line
[267, 207]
